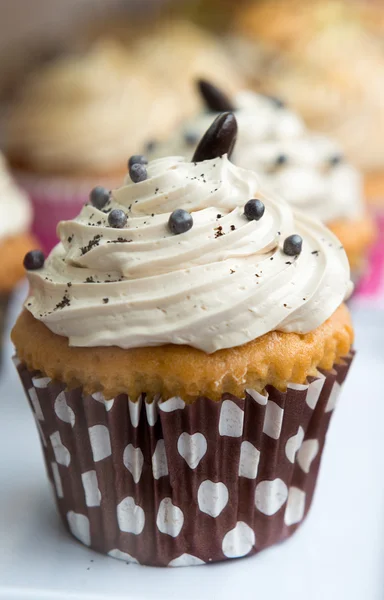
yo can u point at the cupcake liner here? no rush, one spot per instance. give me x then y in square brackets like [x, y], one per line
[370, 288]
[57, 199]
[4, 302]
[171, 484]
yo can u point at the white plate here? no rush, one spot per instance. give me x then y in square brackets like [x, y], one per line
[337, 554]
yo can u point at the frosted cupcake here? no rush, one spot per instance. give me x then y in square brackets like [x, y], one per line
[308, 170]
[183, 348]
[326, 59]
[261, 118]
[15, 241]
[48, 140]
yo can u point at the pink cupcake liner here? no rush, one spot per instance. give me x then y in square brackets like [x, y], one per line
[57, 199]
[171, 484]
[371, 286]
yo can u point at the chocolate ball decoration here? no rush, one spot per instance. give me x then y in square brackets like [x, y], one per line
[99, 197]
[137, 159]
[34, 260]
[293, 245]
[117, 218]
[138, 173]
[254, 210]
[335, 160]
[281, 160]
[180, 221]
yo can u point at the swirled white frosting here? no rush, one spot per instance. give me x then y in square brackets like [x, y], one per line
[259, 119]
[221, 284]
[307, 180]
[15, 208]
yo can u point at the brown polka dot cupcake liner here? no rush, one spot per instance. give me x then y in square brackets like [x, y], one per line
[174, 484]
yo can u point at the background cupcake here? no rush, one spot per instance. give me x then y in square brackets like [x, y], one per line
[15, 241]
[48, 138]
[326, 59]
[185, 343]
[127, 95]
[306, 169]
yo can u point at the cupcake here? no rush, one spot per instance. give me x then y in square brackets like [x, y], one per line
[48, 140]
[182, 349]
[261, 117]
[177, 52]
[308, 170]
[15, 241]
[326, 59]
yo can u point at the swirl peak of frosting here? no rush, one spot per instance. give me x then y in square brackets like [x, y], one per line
[224, 282]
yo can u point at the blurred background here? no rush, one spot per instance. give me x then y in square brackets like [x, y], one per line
[84, 84]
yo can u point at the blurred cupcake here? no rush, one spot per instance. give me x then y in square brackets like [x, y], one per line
[326, 60]
[307, 170]
[183, 347]
[177, 52]
[73, 125]
[15, 241]
[262, 118]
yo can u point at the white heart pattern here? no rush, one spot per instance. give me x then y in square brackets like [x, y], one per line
[63, 411]
[212, 497]
[294, 511]
[192, 448]
[307, 454]
[270, 496]
[170, 518]
[133, 460]
[239, 541]
[231, 419]
[186, 560]
[293, 444]
[60, 451]
[79, 527]
[130, 516]
[159, 461]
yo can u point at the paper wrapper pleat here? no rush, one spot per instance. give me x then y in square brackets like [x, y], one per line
[171, 484]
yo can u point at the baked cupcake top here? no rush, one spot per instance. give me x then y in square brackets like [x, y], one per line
[15, 208]
[307, 169]
[79, 114]
[230, 265]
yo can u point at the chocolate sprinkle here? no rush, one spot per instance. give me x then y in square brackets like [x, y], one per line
[219, 231]
[91, 244]
[218, 140]
[63, 303]
[214, 98]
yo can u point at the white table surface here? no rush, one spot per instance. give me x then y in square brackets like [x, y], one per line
[337, 554]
